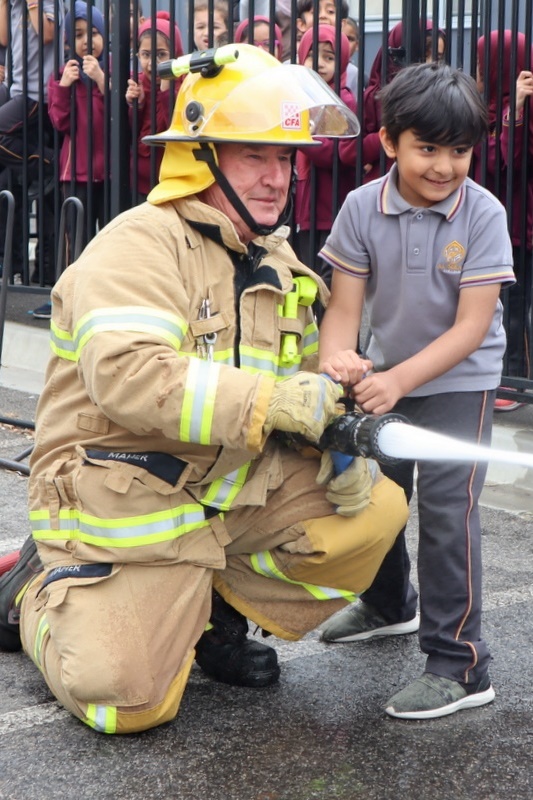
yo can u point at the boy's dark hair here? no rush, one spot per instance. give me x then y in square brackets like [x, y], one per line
[304, 6]
[440, 104]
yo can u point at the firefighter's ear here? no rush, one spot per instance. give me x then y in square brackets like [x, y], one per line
[387, 143]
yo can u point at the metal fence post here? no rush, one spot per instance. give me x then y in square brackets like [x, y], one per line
[120, 134]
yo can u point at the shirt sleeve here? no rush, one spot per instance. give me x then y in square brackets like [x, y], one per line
[344, 248]
[489, 256]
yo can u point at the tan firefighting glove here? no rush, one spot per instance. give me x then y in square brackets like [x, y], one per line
[350, 491]
[304, 403]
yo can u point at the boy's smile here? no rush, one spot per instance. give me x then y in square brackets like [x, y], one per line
[427, 173]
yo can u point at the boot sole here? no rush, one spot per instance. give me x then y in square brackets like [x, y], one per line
[256, 680]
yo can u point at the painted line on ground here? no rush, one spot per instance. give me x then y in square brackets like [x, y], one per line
[44, 714]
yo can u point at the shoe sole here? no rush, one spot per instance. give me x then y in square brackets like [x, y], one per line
[470, 701]
[504, 409]
[398, 629]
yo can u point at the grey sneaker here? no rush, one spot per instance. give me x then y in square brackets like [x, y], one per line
[431, 696]
[361, 621]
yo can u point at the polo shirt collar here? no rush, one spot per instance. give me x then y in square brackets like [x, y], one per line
[390, 200]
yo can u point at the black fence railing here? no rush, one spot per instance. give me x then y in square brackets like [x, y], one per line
[71, 124]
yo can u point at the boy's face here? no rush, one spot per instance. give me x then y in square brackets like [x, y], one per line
[201, 28]
[325, 63]
[427, 173]
[326, 16]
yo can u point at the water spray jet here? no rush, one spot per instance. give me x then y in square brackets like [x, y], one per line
[390, 437]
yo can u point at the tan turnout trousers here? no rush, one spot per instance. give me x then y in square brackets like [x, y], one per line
[116, 649]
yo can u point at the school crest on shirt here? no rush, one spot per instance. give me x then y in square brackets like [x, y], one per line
[452, 257]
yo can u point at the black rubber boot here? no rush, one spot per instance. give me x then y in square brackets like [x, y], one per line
[11, 584]
[225, 654]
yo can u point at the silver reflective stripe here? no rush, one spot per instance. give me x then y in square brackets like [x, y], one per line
[139, 319]
[123, 532]
[102, 718]
[199, 397]
[223, 491]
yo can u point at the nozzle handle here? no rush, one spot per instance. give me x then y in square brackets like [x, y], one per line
[341, 461]
[208, 62]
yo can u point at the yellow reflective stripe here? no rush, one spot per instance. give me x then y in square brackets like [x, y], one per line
[254, 360]
[139, 319]
[225, 356]
[310, 340]
[42, 629]
[101, 718]
[267, 363]
[22, 592]
[264, 564]
[224, 490]
[198, 408]
[144, 529]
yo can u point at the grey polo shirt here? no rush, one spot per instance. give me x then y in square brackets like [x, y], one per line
[415, 262]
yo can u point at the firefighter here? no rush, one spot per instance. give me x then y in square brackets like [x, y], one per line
[165, 509]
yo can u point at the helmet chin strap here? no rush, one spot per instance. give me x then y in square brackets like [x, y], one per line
[206, 154]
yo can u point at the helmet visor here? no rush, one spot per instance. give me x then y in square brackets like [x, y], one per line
[286, 104]
[289, 100]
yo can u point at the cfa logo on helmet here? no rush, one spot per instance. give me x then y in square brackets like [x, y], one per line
[290, 117]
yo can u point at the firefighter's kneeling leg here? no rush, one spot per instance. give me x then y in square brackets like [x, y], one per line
[325, 561]
[116, 649]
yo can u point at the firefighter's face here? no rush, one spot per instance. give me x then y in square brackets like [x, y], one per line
[260, 175]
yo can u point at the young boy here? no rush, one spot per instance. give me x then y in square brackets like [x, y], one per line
[427, 249]
[211, 25]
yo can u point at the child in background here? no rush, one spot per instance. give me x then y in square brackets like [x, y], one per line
[327, 14]
[350, 28]
[282, 13]
[82, 151]
[152, 97]
[494, 169]
[426, 249]
[321, 158]
[210, 31]
[261, 35]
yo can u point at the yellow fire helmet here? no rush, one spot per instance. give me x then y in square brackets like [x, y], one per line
[240, 94]
[254, 98]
